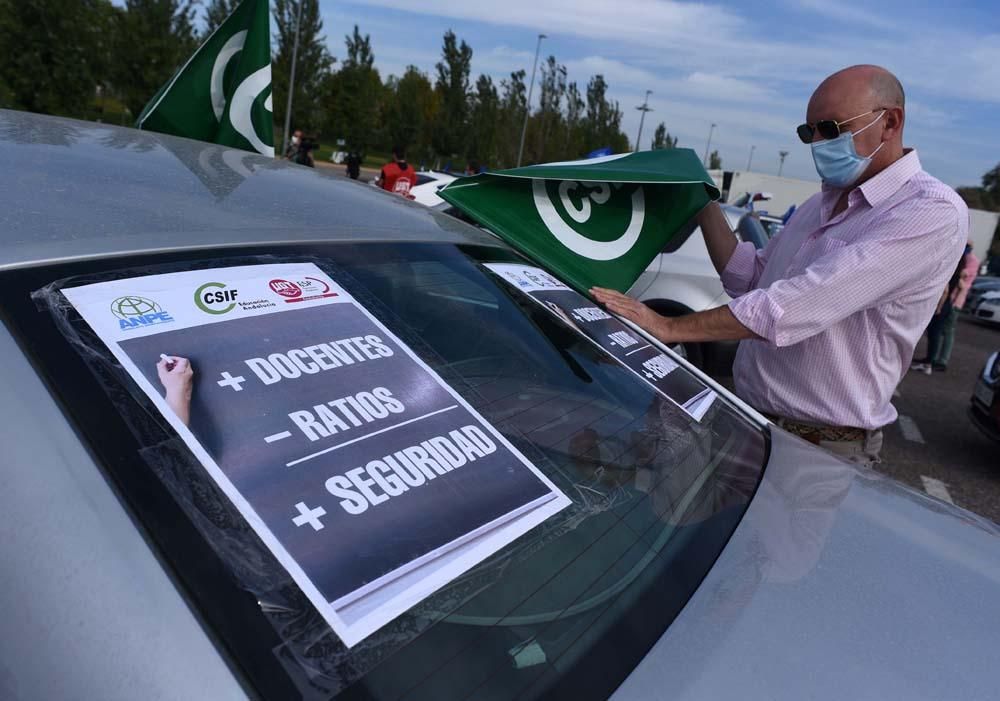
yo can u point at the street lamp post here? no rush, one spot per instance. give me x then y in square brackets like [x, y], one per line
[291, 77]
[644, 108]
[527, 107]
[750, 160]
[708, 145]
[781, 163]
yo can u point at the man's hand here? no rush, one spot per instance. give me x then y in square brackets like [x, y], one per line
[717, 324]
[177, 377]
[633, 310]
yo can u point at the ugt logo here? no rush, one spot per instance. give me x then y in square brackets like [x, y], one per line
[134, 312]
[600, 221]
[286, 288]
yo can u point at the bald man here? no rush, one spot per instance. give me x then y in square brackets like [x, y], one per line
[829, 312]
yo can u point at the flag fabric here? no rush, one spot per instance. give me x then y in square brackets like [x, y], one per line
[598, 221]
[223, 93]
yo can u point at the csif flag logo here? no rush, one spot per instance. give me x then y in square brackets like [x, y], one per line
[223, 93]
[599, 221]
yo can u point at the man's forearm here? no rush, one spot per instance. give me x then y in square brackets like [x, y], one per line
[719, 237]
[717, 324]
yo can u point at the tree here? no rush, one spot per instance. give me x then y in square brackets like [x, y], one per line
[484, 123]
[216, 13]
[549, 117]
[513, 103]
[56, 54]
[409, 110]
[602, 126]
[354, 96]
[152, 40]
[452, 86]
[714, 162]
[976, 198]
[662, 138]
[573, 138]
[312, 66]
[991, 183]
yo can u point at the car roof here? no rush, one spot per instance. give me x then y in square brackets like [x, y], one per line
[75, 190]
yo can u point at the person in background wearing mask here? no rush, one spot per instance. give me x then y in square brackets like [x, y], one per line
[293, 145]
[829, 312]
[398, 176]
[941, 331]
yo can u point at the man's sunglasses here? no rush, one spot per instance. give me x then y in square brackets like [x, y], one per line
[827, 128]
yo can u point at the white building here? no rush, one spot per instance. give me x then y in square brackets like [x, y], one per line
[788, 191]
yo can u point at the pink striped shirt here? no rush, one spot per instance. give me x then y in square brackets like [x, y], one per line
[840, 302]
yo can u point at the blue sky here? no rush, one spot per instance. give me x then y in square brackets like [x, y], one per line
[749, 67]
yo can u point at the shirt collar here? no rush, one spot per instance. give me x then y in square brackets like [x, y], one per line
[878, 188]
[882, 186]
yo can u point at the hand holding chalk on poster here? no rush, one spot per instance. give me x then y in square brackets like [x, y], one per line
[177, 377]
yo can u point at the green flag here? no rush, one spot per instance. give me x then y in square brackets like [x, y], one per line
[599, 221]
[223, 93]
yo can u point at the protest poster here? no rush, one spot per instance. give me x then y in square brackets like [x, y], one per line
[614, 337]
[371, 480]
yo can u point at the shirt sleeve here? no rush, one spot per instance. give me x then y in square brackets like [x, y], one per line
[743, 269]
[886, 266]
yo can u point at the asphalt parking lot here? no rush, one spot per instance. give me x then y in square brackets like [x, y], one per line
[934, 446]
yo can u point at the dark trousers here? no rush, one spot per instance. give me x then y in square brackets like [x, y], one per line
[941, 335]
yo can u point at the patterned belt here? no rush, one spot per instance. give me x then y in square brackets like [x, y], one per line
[815, 434]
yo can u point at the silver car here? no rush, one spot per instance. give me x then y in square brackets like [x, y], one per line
[709, 559]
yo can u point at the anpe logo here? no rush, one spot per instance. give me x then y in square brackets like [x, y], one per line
[286, 289]
[134, 312]
[214, 298]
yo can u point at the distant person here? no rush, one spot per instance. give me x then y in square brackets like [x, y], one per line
[398, 176]
[293, 145]
[353, 162]
[941, 331]
[829, 312]
[303, 154]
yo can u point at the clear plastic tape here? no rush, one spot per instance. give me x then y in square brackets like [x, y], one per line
[315, 659]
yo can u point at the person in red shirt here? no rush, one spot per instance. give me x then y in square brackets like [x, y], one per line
[398, 176]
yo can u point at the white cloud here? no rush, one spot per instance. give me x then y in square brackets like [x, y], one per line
[848, 14]
[729, 65]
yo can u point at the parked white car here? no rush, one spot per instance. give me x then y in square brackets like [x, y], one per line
[682, 280]
[988, 308]
[429, 182]
[425, 192]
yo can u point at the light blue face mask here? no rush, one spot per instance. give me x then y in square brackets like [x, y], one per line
[838, 162]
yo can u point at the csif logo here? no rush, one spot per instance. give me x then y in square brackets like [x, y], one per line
[215, 298]
[135, 312]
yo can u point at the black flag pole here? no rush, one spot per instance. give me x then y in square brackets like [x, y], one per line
[291, 78]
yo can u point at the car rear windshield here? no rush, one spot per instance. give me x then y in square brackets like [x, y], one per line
[564, 612]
